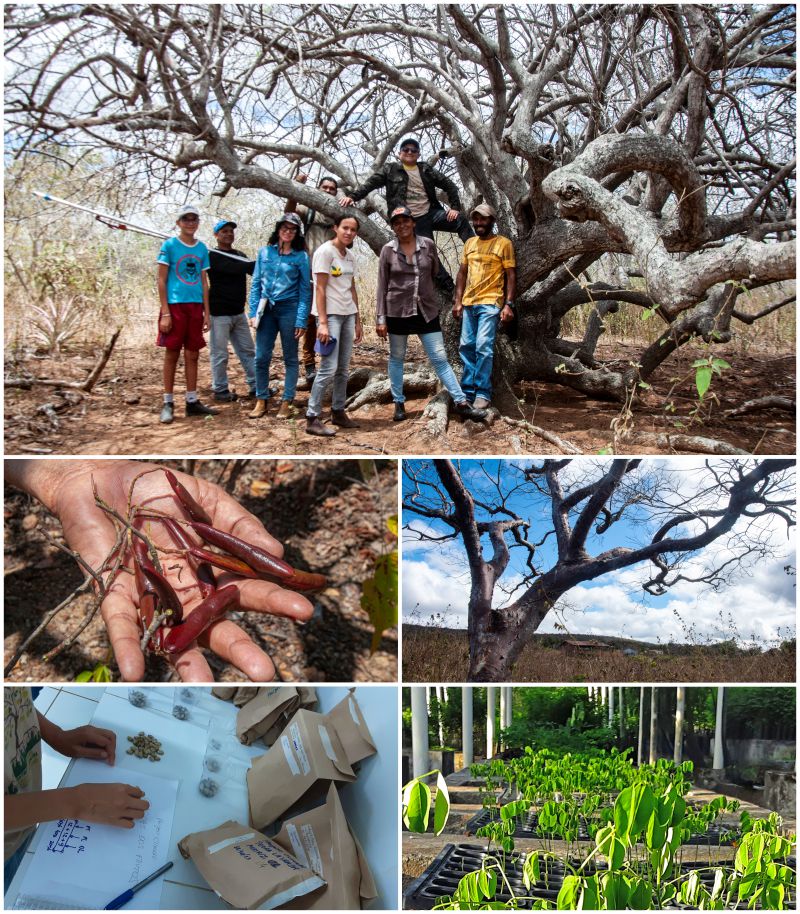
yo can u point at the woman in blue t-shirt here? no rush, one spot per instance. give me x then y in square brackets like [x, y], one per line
[280, 300]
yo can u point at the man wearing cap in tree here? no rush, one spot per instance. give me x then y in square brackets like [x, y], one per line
[485, 288]
[318, 229]
[227, 297]
[412, 183]
[183, 294]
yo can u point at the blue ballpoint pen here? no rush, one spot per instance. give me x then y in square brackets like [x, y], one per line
[126, 896]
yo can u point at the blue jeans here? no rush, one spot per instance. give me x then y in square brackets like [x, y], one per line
[233, 327]
[433, 344]
[277, 319]
[334, 367]
[478, 330]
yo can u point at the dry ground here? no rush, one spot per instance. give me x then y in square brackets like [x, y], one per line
[120, 416]
[442, 655]
[323, 512]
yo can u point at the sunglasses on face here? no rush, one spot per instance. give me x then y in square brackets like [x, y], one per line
[289, 228]
[410, 149]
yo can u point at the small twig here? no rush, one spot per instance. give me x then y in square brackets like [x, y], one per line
[72, 638]
[154, 624]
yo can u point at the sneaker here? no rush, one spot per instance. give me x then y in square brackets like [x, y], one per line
[226, 396]
[167, 413]
[466, 411]
[399, 413]
[287, 411]
[339, 417]
[196, 408]
[481, 403]
[314, 426]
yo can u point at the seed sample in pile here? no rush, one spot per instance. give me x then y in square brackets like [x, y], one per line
[145, 746]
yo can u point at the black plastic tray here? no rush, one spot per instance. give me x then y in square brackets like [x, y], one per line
[528, 828]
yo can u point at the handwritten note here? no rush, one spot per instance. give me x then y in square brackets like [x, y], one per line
[73, 856]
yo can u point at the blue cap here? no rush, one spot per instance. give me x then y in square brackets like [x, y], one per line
[222, 223]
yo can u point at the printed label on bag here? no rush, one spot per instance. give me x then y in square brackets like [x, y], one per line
[312, 849]
[291, 761]
[297, 845]
[299, 748]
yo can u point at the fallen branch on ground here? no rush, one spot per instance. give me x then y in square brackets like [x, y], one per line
[771, 402]
[694, 443]
[85, 386]
[566, 447]
[419, 383]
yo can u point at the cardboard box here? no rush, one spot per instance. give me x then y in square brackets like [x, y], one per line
[247, 869]
[302, 764]
[322, 841]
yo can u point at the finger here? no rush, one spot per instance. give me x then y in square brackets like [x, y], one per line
[191, 666]
[119, 614]
[247, 527]
[235, 646]
[91, 752]
[266, 597]
[135, 792]
[137, 806]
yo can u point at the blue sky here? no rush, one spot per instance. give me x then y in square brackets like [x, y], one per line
[756, 606]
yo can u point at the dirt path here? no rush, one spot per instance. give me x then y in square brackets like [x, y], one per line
[326, 516]
[121, 415]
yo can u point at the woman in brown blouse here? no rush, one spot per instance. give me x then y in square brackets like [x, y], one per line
[407, 303]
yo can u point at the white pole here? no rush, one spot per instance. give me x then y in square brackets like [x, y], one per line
[503, 698]
[680, 710]
[610, 706]
[491, 701]
[653, 723]
[509, 707]
[439, 706]
[719, 755]
[640, 747]
[419, 731]
[466, 725]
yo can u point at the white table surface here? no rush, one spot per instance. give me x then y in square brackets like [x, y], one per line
[184, 745]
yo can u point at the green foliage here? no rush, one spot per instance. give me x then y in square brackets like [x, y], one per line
[379, 593]
[101, 673]
[705, 369]
[417, 804]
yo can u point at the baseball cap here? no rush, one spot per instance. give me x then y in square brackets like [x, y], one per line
[410, 141]
[400, 211]
[222, 223]
[291, 219]
[483, 209]
[188, 210]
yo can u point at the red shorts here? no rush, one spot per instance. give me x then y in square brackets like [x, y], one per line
[187, 328]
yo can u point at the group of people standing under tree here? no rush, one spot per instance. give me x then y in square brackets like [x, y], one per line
[284, 301]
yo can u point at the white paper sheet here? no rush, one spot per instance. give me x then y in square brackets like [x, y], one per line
[77, 856]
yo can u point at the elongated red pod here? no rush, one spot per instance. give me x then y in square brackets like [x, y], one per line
[193, 509]
[258, 559]
[204, 572]
[213, 608]
[226, 562]
[300, 580]
[167, 598]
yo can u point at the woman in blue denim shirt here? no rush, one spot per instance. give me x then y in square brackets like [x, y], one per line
[280, 301]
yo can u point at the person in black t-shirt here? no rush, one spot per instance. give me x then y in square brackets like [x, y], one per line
[228, 294]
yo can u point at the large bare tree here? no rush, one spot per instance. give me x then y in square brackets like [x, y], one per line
[661, 135]
[563, 532]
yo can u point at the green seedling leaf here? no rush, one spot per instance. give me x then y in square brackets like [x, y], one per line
[568, 896]
[531, 872]
[611, 847]
[85, 676]
[379, 596]
[416, 806]
[702, 379]
[391, 523]
[590, 896]
[441, 809]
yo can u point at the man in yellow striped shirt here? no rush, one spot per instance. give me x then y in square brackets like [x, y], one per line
[485, 290]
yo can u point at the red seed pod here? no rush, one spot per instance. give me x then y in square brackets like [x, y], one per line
[193, 509]
[167, 598]
[213, 608]
[226, 562]
[258, 559]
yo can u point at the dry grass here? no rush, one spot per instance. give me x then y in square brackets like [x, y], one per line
[442, 655]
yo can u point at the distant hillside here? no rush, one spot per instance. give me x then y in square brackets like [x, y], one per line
[442, 655]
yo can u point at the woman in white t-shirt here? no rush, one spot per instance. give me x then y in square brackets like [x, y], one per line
[338, 324]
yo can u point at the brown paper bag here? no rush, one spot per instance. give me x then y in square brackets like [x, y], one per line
[244, 694]
[349, 722]
[322, 841]
[260, 715]
[302, 763]
[247, 869]
[226, 693]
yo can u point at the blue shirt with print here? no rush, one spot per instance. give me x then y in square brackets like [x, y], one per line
[283, 279]
[186, 264]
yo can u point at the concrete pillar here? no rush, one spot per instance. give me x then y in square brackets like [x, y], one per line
[503, 698]
[466, 725]
[640, 740]
[610, 706]
[719, 755]
[491, 704]
[419, 731]
[653, 724]
[621, 716]
[680, 711]
[440, 726]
